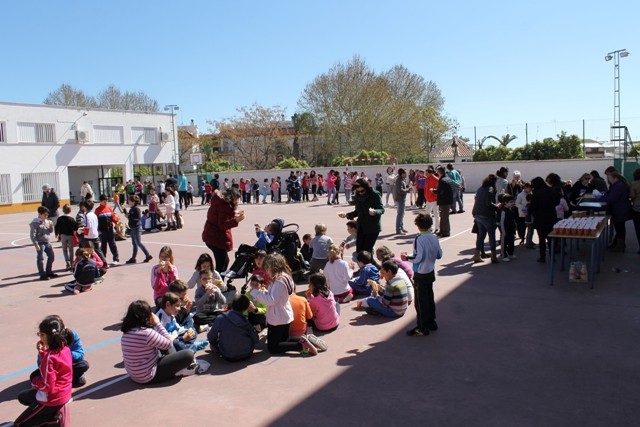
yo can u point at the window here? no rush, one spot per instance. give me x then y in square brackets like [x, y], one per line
[3, 126]
[32, 184]
[108, 134]
[5, 189]
[144, 135]
[37, 132]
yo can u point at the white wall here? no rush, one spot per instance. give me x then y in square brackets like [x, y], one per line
[18, 157]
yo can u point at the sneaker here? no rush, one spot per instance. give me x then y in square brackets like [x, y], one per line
[416, 332]
[81, 381]
[44, 278]
[506, 259]
[131, 261]
[317, 342]
[52, 275]
[346, 299]
[307, 347]
[98, 280]
[70, 287]
[203, 366]
[188, 371]
[203, 328]
[200, 345]
[148, 258]
[115, 262]
[513, 256]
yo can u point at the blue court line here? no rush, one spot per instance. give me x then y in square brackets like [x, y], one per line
[33, 367]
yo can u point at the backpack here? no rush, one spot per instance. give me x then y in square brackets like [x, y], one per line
[86, 272]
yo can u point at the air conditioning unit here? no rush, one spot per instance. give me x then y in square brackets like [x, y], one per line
[164, 136]
[82, 136]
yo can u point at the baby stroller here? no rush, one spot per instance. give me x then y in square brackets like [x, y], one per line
[242, 265]
[287, 244]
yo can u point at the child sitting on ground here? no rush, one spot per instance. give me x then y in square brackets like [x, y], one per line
[204, 262]
[182, 338]
[183, 317]
[390, 301]
[256, 312]
[320, 245]
[232, 334]
[85, 272]
[368, 271]
[305, 249]
[209, 299]
[337, 274]
[301, 313]
[323, 305]
[162, 274]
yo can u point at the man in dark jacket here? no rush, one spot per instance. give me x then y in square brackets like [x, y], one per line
[50, 201]
[444, 192]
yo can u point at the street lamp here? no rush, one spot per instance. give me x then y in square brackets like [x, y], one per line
[616, 55]
[173, 108]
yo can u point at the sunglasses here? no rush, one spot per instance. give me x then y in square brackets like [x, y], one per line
[361, 191]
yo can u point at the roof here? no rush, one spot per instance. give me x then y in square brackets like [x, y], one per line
[445, 150]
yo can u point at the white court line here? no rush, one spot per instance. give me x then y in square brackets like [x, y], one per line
[455, 235]
[13, 243]
[100, 387]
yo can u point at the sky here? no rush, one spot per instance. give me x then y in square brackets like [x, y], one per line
[499, 64]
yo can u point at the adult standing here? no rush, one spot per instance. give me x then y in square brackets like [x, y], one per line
[501, 182]
[456, 183]
[484, 217]
[215, 182]
[617, 200]
[597, 182]
[430, 197]
[86, 192]
[391, 181]
[107, 218]
[445, 201]
[221, 218]
[368, 211]
[543, 209]
[635, 202]
[401, 198]
[50, 201]
[183, 185]
[40, 230]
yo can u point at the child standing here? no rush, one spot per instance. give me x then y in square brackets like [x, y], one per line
[320, 246]
[170, 207]
[51, 383]
[264, 190]
[323, 305]
[337, 274]
[426, 250]
[134, 215]
[507, 223]
[40, 232]
[231, 334]
[65, 229]
[154, 201]
[162, 274]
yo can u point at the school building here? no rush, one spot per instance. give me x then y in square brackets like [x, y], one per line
[64, 146]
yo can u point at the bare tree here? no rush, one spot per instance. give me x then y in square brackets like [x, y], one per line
[257, 135]
[69, 96]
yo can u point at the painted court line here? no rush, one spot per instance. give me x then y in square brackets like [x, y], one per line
[100, 387]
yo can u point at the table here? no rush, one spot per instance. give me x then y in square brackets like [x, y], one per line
[598, 245]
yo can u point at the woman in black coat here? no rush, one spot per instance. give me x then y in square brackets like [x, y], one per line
[543, 209]
[368, 211]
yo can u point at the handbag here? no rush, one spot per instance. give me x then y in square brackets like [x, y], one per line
[474, 229]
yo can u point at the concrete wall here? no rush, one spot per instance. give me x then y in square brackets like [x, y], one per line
[473, 172]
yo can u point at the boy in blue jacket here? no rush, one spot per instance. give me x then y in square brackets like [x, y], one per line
[367, 271]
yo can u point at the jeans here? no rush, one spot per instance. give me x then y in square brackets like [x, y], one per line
[374, 303]
[347, 194]
[331, 195]
[67, 248]
[108, 237]
[486, 226]
[136, 242]
[400, 204]
[45, 248]
[169, 365]
[456, 197]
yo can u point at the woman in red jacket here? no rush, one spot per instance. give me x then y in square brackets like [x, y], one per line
[221, 218]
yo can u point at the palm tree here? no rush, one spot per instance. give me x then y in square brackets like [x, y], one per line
[504, 141]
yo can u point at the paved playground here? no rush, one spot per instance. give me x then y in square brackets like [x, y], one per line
[511, 350]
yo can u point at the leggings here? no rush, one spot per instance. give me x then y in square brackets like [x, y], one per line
[277, 336]
[221, 257]
[169, 365]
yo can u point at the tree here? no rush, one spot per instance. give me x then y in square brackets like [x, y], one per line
[305, 127]
[258, 135]
[292, 163]
[110, 98]
[504, 141]
[356, 108]
[69, 96]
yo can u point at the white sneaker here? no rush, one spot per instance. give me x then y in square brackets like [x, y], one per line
[188, 371]
[203, 328]
[203, 366]
[115, 263]
[506, 259]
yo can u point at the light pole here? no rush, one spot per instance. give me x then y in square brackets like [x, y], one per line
[616, 55]
[173, 108]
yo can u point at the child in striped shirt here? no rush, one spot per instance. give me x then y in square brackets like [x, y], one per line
[392, 300]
